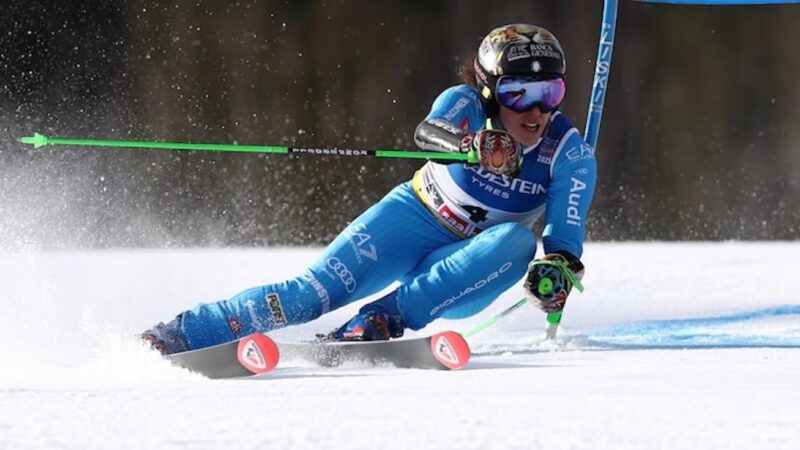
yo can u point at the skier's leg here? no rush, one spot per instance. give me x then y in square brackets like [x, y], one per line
[454, 281]
[462, 279]
[380, 246]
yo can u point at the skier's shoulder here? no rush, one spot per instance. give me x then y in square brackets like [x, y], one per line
[461, 93]
[569, 144]
[456, 103]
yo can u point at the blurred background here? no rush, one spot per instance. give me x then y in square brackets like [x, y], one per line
[699, 139]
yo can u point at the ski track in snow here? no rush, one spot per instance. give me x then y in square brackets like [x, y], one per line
[673, 345]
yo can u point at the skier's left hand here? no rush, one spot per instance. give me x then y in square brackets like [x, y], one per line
[550, 280]
[497, 151]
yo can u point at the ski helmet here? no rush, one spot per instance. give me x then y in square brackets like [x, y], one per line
[517, 49]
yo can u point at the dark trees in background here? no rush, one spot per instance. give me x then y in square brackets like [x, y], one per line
[699, 137]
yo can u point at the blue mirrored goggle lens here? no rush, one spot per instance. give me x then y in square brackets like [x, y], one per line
[520, 93]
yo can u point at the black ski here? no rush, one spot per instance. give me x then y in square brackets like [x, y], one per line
[251, 355]
[446, 350]
[257, 354]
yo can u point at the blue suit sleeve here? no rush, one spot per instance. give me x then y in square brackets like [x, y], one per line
[461, 106]
[574, 176]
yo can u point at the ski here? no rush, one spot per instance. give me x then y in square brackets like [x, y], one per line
[447, 350]
[251, 355]
[258, 354]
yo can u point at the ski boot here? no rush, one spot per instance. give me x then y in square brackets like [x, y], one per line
[377, 321]
[167, 338]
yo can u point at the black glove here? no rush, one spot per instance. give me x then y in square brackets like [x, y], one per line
[495, 150]
[550, 280]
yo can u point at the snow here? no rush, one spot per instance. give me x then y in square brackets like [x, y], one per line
[673, 345]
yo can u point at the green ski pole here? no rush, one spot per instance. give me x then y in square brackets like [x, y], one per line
[40, 140]
[480, 327]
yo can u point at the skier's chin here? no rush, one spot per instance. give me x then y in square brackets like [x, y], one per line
[527, 137]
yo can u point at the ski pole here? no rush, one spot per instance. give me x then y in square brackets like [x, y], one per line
[480, 327]
[40, 140]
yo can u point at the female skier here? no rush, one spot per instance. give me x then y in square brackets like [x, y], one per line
[457, 235]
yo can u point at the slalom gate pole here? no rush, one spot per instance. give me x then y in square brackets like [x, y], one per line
[39, 140]
[597, 98]
[600, 85]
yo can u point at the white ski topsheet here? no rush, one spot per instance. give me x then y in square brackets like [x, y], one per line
[693, 345]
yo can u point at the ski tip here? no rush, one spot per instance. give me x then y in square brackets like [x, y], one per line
[257, 353]
[450, 349]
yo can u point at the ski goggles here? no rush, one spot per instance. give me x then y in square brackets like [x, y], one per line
[520, 93]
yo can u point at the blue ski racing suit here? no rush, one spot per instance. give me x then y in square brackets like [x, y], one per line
[455, 237]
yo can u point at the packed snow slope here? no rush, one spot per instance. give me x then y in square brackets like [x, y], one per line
[673, 345]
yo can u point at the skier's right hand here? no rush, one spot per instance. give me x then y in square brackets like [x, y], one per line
[495, 150]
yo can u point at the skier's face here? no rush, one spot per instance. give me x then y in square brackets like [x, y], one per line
[526, 127]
